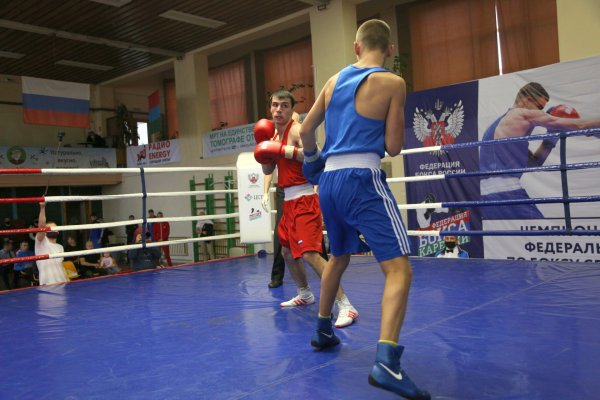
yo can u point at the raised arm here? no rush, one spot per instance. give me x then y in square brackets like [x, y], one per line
[41, 222]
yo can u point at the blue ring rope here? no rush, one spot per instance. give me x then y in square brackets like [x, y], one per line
[563, 168]
[144, 205]
[557, 232]
[543, 168]
[539, 200]
[542, 136]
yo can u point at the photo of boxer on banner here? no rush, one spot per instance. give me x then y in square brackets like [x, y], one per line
[526, 113]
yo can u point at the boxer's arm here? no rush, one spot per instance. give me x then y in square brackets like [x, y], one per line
[296, 141]
[537, 158]
[394, 123]
[41, 221]
[564, 124]
[268, 168]
[267, 181]
[315, 117]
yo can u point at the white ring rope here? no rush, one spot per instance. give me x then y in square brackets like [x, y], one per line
[56, 199]
[115, 249]
[423, 233]
[416, 178]
[81, 171]
[419, 206]
[61, 228]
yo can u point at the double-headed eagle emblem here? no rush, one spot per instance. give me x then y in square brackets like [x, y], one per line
[434, 130]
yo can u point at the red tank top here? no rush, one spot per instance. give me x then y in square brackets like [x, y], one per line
[289, 171]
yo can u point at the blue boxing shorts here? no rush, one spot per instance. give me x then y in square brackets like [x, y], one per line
[359, 199]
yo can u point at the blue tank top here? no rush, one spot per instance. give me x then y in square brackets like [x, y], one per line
[503, 156]
[346, 131]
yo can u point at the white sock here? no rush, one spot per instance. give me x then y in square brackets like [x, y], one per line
[343, 300]
[304, 292]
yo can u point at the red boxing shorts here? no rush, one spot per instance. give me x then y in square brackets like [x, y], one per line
[301, 227]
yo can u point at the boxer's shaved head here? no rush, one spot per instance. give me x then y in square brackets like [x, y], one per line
[374, 35]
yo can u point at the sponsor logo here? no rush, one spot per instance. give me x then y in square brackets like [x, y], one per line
[16, 155]
[254, 214]
[141, 155]
[397, 376]
[253, 177]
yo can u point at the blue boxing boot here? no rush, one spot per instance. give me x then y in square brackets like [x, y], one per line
[388, 375]
[324, 336]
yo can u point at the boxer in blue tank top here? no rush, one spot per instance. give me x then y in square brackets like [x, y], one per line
[520, 120]
[501, 157]
[363, 110]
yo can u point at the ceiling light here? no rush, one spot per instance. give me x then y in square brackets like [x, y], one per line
[192, 19]
[10, 54]
[114, 3]
[4, 23]
[84, 65]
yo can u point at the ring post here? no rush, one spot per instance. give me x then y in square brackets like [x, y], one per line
[230, 208]
[255, 223]
[194, 207]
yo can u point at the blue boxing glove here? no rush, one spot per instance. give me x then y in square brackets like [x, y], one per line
[313, 166]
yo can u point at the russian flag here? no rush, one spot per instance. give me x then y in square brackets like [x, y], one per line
[49, 102]
[154, 119]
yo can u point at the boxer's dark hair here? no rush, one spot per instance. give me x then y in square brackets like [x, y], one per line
[283, 94]
[533, 90]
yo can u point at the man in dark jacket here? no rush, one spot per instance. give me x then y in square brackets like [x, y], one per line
[144, 258]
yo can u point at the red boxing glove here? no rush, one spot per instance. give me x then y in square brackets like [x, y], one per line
[269, 151]
[264, 130]
[563, 111]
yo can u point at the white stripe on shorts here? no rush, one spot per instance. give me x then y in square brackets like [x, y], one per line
[389, 204]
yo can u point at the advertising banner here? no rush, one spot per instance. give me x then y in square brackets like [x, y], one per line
[53, 157]
[156, 153]
[228, 141]
[255, 222]
[554, 98]
[436, 117]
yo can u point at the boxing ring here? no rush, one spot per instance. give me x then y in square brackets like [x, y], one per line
[475, 329]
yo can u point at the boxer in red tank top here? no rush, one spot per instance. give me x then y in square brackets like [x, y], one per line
[300, 228]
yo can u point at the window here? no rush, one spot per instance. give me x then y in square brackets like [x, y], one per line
[142, 128]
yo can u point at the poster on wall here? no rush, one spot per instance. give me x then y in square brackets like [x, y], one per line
[555, 98]
[228, 141]
[51, 157]
[515, 105]
[233, 140]
[155, 153]
[436, 117]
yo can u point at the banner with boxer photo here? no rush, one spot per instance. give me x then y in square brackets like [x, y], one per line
[573, 89]
[491, 109]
